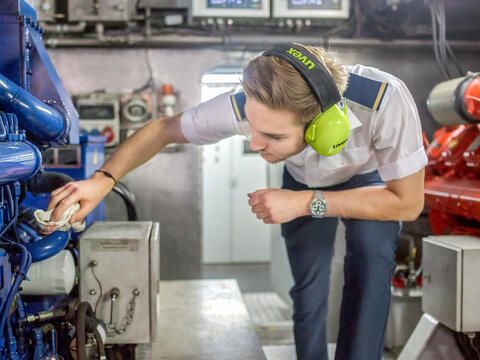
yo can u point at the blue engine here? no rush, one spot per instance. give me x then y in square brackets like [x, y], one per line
[36, 116]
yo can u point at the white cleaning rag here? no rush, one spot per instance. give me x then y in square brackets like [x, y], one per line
[43, 219]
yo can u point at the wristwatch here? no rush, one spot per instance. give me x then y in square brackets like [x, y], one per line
[318, 205]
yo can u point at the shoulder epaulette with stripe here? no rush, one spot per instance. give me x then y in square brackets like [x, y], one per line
[365, 91]
[238, 103]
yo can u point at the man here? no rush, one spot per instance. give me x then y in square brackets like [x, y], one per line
[372, 184]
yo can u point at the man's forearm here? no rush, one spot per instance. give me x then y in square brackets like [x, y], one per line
[400, 200]
[373, 203]
[133, 152]
[142, 146]
[369, 203]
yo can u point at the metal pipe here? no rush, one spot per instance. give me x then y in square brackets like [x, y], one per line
[65, 28]
[48, 246]
[43, 122]
[252, 42]
[32, 319]
[19, 161]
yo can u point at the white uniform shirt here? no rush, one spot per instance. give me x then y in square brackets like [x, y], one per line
[388, 140]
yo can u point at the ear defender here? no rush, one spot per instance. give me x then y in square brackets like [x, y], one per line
[328, 132]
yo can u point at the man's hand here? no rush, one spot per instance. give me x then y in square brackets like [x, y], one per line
[277, 206]
[86, 192]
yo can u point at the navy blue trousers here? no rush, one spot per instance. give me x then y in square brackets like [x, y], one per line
[369, 264]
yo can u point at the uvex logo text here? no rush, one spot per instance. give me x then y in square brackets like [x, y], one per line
[303, 58]
[339, 144]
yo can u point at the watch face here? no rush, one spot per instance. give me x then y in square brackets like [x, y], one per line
[318, 207]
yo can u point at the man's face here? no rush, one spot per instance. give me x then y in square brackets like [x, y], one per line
[276, 134]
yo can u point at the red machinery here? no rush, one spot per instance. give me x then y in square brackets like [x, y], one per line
[452, 185]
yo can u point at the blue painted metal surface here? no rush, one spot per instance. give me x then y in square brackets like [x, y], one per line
[42, 122]
[15, 7]
[48, 246]
[25, 62]
[19, 159]
[46, 84]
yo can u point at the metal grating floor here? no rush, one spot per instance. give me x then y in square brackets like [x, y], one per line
[271, 318]
[267, 308]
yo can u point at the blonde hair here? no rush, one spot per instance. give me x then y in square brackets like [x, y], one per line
[276, 84]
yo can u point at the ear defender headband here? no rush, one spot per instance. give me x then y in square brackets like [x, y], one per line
[328, 132]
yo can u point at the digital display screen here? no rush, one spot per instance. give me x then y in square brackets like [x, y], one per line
[315, 4]
[234, 4]
[96, 112]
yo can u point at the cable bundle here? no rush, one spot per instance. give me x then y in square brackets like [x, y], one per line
[443, 52]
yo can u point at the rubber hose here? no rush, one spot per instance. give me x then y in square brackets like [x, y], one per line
[48, 181]
[100, 347]
[84, 310]
[128, 198]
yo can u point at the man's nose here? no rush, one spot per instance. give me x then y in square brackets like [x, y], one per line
[256, 143]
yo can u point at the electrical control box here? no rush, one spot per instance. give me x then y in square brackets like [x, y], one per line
[119, 274]
[451, 289]
[311, 9]
[231, 8]
[100, 115]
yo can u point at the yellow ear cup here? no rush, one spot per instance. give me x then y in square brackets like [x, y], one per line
[328, 132]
